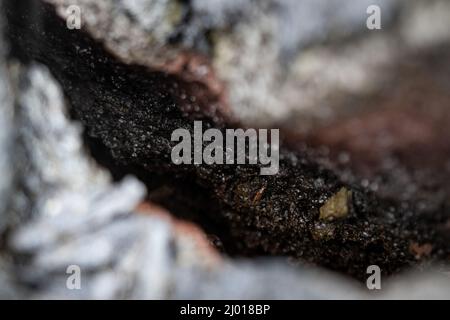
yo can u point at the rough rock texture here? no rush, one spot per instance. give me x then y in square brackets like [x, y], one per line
[130, 94]
[270, 280]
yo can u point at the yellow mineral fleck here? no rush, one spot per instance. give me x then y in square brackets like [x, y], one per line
[336, 206]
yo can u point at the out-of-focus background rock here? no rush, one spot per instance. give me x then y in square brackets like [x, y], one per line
[277, 59]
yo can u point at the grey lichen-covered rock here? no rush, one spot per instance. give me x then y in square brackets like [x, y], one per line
[62, 186]
[265, 279]
[78, 216]
[8, 288]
